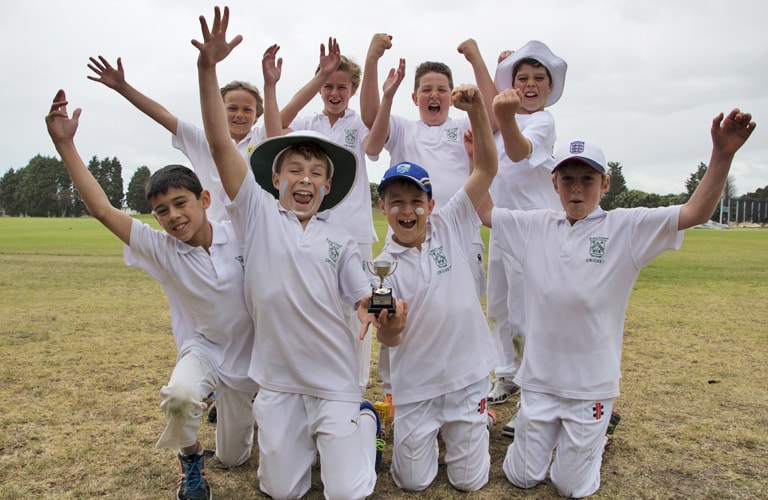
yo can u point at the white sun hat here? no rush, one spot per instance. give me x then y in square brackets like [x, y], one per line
[539, 51]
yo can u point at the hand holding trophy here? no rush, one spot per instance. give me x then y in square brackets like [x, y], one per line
[381, 297]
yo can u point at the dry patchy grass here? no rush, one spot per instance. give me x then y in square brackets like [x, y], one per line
[86, 345]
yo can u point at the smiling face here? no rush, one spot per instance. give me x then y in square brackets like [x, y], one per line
[535, 85]
[182, 215]
[241, 113]
[336, 93]
[406, 208]
[302, 181]
[433, 97]
[580, 188]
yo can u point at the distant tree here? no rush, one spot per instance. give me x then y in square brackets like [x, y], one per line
[109, 174]
[759, 193]
[134, 197]
[632, 198]
[694, 179]
[9, 192]
[374, 194]
[45, 188]
[618, 186]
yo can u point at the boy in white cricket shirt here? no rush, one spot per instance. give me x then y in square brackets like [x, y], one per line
[301, 272]
[532, 78]
[336, 80]
[579, 266]
[199, 265]
[244, 106]
[439, 373]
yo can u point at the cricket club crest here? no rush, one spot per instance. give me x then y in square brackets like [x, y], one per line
[577, 147]
[597, 248]
[441, 261]
[451, 134]
[350, 137]
[333, 252]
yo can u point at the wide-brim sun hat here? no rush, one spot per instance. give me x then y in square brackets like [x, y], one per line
[582, 152]
[539, 51]
[343, 163]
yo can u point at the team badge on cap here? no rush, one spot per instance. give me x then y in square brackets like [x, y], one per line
[577, 147]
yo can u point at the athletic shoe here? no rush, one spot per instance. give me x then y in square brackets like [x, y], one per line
[612, 423]
[192, 482]
[502, 390]
[491, 419]
[380, 443]
[509, 428]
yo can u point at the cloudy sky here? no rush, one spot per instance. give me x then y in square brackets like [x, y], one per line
[644, 78]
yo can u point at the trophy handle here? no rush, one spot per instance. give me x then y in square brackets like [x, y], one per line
[392, 271]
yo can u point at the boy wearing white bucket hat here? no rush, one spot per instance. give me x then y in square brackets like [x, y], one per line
[529, 79]
[301, 272]
[579, 265]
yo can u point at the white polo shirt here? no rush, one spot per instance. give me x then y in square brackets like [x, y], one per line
[297, 284]
[527, 184]
[205, 295]
[191, 141]
[439, 149]
[355, 212]
[577, 284]
[446, 342]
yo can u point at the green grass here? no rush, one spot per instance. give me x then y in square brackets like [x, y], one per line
[85, 345]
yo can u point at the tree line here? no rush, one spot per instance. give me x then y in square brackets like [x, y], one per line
[43, 189]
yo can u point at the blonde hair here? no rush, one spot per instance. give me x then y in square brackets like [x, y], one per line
[351, 68]
[248, 87]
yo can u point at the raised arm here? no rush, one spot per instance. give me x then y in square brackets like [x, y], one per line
[505, 106]
[328, 64]
[62, 130]
[213, 49]
[482, 77]
[271, 66]
[728, 135]
[114, 78]
[369, 88]
[485, 160]
[379, 133]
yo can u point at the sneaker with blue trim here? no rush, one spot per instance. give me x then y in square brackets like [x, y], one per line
[193, 484]
[380, 443]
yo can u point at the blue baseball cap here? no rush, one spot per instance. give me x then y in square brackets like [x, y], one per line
[410, 172]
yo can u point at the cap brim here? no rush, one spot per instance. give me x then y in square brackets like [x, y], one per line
[539, 51]
[344, 164]
[581, 159]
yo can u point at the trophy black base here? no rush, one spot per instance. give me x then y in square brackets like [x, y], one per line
[381, 300]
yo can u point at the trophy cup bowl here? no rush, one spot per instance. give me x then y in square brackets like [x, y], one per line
[381, 297]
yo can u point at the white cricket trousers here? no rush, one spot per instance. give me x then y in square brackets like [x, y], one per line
[506, 309]
[193, 378]
[574, 428]
[293, 428]
[461, 417]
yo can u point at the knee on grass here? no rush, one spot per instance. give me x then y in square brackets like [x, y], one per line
[180, 400]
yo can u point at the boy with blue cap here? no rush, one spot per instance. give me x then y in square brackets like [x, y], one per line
[439, 371]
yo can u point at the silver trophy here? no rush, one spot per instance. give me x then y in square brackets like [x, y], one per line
[381, 297]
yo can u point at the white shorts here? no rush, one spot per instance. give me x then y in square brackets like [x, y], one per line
[576, 428]
[293, 428]
[506, 308]
[192, 380]
[461, 417]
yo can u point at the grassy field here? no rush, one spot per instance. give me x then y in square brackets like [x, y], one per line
[85, 345]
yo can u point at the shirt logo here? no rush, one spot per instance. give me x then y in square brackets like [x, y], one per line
[597, 249]
[350, 137]
[577, 147]
[441, 261]
[333, 252]
[451, 134]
